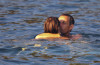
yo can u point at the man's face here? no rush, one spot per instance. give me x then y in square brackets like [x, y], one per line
[64, 24]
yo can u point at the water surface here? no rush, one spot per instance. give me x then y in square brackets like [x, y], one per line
[22, 20]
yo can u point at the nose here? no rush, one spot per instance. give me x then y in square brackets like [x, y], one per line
[61, 25]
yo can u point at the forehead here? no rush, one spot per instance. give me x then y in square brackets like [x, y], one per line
[65, 18]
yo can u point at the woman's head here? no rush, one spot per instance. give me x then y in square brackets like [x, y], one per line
[51, 25]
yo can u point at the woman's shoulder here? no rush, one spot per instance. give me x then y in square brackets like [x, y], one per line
[47, 35]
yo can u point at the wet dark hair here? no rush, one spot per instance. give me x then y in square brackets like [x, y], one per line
[51, 25]
[72, 21]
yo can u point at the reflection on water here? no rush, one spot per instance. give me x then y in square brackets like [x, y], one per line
[22, 20]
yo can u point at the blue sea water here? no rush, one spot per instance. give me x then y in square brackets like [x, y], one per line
[22, 20]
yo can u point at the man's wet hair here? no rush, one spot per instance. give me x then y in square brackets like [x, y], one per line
[72, 21]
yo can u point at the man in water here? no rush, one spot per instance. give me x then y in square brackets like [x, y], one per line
[66, 25]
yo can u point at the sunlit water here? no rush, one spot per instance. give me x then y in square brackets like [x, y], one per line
[22, 20]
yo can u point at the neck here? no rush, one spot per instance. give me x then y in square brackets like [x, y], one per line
[66, 35]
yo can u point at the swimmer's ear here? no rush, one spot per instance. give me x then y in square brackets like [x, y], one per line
[71, 26]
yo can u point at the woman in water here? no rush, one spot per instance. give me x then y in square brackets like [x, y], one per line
[51, 29]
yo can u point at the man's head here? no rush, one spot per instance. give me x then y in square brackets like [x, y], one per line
[66, 23]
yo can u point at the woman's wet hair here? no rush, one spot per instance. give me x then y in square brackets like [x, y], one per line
[51, 25]
[72, 21]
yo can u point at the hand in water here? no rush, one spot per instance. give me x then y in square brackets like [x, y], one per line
[75, 37]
